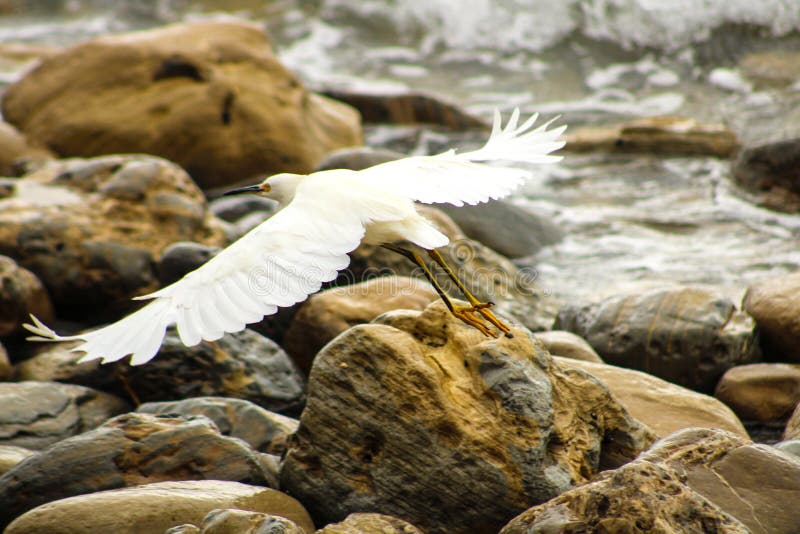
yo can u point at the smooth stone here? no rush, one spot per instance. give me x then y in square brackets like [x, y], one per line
[21, 294]
[774, 303]
[568, 345]
[11, 455]
[359, 523]
[768, 172]
[792, 430]
[181, 258]
[36, 415]
[761, 392]
[233, 521]
[156, 507]
[357, 158]
[233, 208]
[6, 369]
[16, 148]
[771, 68]
[791, 446]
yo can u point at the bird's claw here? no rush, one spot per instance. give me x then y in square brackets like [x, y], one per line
[467, 315]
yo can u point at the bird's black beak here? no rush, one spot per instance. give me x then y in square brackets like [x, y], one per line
[249, 189]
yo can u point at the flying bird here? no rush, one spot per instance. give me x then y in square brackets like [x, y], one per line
[324, 216]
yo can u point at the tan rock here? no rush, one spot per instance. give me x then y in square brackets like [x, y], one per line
[15, 147]
[761, 392]
[11, 456]
[232, 521]
[773, 68]
[792, 430]
[21, 294]
[568, 345]
[365, 522]
[6, 370]
[774, 303]
[661, 405]
[155, 508]
[328, 313]
[210, 96]
[421, 417]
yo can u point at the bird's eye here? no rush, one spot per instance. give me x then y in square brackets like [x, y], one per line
[266, 188]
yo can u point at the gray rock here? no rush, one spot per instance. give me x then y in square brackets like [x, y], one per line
[770, 172]
[233, 208]
[791, 446]
[263, 430]
[35, 415]
[129, 450]
[181, 258]
[683, 335]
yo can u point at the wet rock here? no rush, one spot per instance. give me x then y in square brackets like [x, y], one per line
[263, 430]
[35, 415]
[243, 365]
[421, 417]
[506, 228]
[661, 405]
[763, 393]
[792, 430]
[179, 259]
[357, 158]
[769, 171]
[129, 450]
[92, 230]
[329, 313]
[365, 522]
[406, 109]
[21, 294]
[568, 345]
[233, 521]
[10, 456]
[637, 498]
[756, 484]
[772, 68]
[774, 303]
[15, 148]
[684, 335]
[210, 96]
[675, 136]
[155, 507]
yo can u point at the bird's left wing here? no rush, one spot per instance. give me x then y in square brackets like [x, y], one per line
[465, 178]
[278, 263]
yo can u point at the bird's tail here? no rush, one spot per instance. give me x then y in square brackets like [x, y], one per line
[140, 334]
[519, 143]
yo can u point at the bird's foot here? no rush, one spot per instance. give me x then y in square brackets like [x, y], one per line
[467, 315]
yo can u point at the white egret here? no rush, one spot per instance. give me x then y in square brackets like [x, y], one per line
[324, 216]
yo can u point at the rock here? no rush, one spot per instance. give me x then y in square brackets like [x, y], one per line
[768, 171]
[10, 456]
[774, 303]
[365, 522]
[233, 208]
[21, 294]
[762, 392]
[129, 450]
[661, 405]
[181, 258]
[155, 508]
[56, 363]
[792, 430]
[210, 96]
[756, 484]
[675, 136]
[357, 158]
[772, 68]
[92, 230]
[411, 108]
[421, 417]
[684, 335]
[263, 430]
[233, 521]
[329, 313]
[791, 447]
[640, 497]
[183, 529]
[15, 147]
[244, 365]
[35, 415]
[5, 364]
[568, 345]
[506, 228]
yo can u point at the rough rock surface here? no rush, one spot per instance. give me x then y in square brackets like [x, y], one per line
[10, 456]
[365, 522]
[234, 521]
[92, 230]
[129, 450]
[568, 345]
[761, 392]
[263, 430]
[421, 417]
[244, 365]
[792, 430]
[684, 335]
[21, 294]
[35, 415]
[769, 171]
[774, 303]
[155, 508]
[210, 96]
[661, 405]
[16, 148]
[328, 313]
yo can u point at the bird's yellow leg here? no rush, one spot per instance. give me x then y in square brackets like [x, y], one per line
[463, 313]
[480, 307]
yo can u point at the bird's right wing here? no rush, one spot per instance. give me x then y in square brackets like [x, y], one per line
[466, 178]
[278, 263]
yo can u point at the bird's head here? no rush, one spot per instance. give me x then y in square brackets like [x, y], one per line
[279, 187]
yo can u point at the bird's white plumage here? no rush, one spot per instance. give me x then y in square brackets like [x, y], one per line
[305, 244]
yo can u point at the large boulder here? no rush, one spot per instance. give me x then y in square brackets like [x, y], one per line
[419, 416]
[765, 393]
[774, 303]
[92, 230]
[155, 508]
[21, 294]
[210, 96]
[684, 335]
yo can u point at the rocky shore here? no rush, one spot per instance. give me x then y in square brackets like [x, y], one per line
[368, 407]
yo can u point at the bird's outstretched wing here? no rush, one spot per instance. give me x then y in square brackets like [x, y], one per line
[278, 263]
[465, 178]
